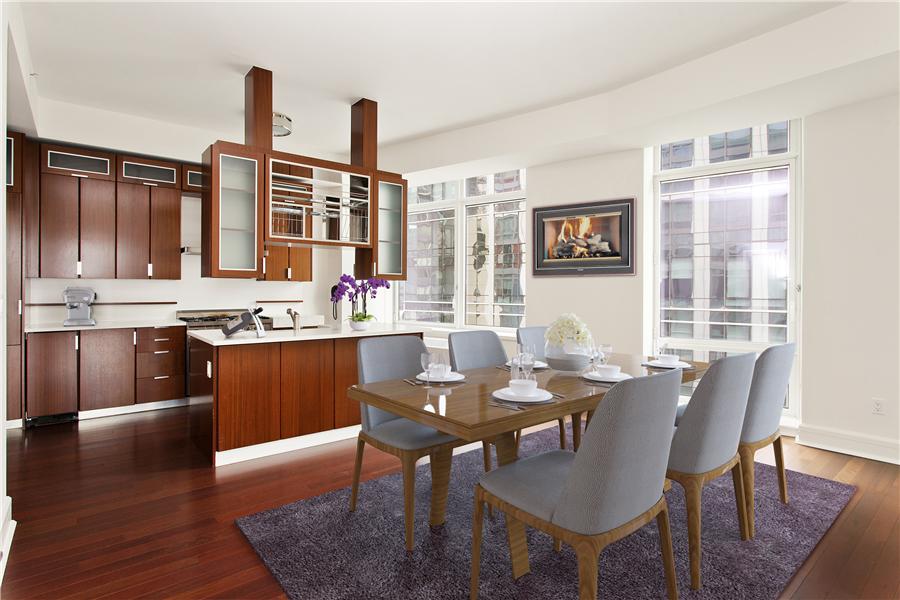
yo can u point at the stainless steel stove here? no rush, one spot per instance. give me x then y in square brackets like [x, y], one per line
[198, 383]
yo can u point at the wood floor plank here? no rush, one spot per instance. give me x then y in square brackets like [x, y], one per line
[126, 507]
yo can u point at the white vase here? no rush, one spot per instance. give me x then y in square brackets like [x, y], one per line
[359, 325]
[568, 357]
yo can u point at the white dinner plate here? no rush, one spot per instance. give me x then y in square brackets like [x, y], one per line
[591, 376]
[540, 397]
[657, 364]
[538, 364]
[453, 376]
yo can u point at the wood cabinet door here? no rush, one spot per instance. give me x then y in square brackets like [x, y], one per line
[13, 268]
[248, 395]
[59, 226]
[277, 262]
[31, 208]
[165, 232]
[51, 373]
[97, 228]
[307, 387]
[13, 382]
[346, 411]
[301, 264]
[106, 368]
[132, 231]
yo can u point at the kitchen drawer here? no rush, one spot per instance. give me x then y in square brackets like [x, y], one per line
[161, 387]
[160, 362]
[152, 339]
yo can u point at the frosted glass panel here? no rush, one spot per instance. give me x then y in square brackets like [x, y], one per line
[389, 258]
[237, 213]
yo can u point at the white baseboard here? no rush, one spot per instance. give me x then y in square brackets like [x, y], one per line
[14, 424]
[789, 426]
[132, 408]
[849, 442]
[7, 530]
[229, 457]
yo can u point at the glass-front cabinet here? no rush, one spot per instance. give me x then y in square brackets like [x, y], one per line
[232, 243]
[390, 224]
[317, 202]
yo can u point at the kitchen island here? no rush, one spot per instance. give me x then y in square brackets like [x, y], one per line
[277, 393]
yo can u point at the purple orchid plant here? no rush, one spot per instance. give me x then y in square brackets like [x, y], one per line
[357, 292]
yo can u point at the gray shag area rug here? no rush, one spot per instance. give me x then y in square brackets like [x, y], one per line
[316, 549]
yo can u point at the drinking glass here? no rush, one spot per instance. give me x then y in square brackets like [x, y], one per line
[427, 360]
[526, 364]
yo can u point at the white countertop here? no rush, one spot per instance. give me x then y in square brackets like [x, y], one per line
[215, 337]
[58, 326]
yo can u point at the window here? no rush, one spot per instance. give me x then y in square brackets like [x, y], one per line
[724, 244]
[485, 254]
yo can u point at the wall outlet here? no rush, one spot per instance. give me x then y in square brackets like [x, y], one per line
[878, 406]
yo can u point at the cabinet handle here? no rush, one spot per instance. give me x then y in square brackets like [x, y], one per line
[76, 342]
[78, 269]
[289, 273]
[264, 265]
[148, 183]
[134, 337]
[20, 306]
[160, 339]
[209, 369]
[149, 269]
[77, 175]
[161, 377]
[161, 352]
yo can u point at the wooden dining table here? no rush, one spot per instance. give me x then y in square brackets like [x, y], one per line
[464, 410]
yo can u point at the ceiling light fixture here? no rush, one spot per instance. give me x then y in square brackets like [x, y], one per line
[281, 124]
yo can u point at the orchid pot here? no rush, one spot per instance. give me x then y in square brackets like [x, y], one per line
[357, 293]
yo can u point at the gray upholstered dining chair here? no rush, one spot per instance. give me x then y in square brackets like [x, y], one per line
[609, 488]
[705, 443]
[763, 419]
[479, 350]
[397, 357]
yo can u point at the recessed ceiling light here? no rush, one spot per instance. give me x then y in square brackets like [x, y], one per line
[281, 125]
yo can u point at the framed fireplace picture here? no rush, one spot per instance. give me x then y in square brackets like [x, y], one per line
[594, 238]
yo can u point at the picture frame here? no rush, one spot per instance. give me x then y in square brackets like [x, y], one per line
[588, 238]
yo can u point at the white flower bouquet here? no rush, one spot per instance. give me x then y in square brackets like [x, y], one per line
[568, 343]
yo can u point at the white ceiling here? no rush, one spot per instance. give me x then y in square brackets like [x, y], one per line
[431, 67]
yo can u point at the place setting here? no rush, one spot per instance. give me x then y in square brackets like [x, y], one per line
[436, 370]
[523, 389]
[600, 370]
[667, 360]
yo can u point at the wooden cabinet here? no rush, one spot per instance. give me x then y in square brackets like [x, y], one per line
[77, 227]
[14, 152]
[13, 382]
[31, 208]
[248, 395]
[78, 162]
[97, 228]
[51, 373]
[232, 240]
[283, 263]
[390, 225]
[160, 363]
[106, 368]
[165, 233]
[191, 178]
[13, 268]
[132, 231]
[149, 171]
[307, 387]
[346, 411]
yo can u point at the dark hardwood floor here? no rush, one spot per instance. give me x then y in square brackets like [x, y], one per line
[125, 507]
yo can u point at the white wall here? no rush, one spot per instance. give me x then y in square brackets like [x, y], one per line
[851, 261]
[611, 305]
[193, 291]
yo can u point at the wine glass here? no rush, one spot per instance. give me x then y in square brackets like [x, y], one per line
[427, 359]
[526, 363]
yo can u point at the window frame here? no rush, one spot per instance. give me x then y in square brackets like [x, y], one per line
[459, 207]
[789, 159]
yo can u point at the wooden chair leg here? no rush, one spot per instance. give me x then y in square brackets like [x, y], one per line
[692, 493]
[557, 545]
[562, 433]
[357, 470]
[747, 455]
[576, 431]
[441, 460]
[740, 500]
[518, 438]
[665, 546]
[587, 419]
[779, 464]
[477, 527]
[408, 462]
[588, 555]
[515, 529]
